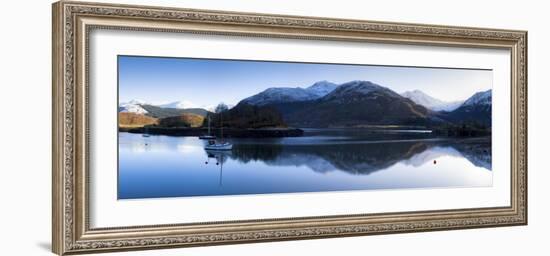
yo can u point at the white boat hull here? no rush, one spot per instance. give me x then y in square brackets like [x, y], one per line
[223, 146]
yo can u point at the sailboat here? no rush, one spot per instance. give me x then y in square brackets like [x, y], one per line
[222, 145]
[212, 145]
[207, 137]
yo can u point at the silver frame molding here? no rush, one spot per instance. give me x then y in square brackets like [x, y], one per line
[72, 22]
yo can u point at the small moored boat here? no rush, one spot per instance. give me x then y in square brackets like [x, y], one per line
[221, 145]
[212, 145]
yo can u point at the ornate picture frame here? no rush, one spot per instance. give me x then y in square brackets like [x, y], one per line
[72, 23]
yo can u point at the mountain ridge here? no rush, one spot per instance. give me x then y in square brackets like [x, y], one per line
[351, 104]
[476, 109]
[357, 103]
[422, 98]
[290, 94]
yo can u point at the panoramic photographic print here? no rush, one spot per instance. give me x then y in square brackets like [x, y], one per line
[211, 127]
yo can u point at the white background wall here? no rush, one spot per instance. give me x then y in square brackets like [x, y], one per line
[25, 115]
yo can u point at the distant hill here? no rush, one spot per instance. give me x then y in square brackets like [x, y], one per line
[160, 112]
[133, 106]
[183, 120]
[178, 105]
[476, 109]
[132, 120]
[421, 98]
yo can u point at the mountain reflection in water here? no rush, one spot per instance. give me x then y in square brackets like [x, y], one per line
[363, 158]
[164, 166]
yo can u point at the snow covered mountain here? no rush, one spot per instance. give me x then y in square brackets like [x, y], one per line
[133, 106]
[280, 95]
[348, 91]
[480, 99]
[355, 103]
[419, 97]
[161, 110]
[322, 88]
[179, 104]
[287, 94]
[185, 104]
[477, 109]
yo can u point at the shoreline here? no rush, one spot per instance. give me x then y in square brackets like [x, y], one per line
[228, 132]
[278, 133]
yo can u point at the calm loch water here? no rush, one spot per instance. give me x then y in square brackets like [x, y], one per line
[322, 160]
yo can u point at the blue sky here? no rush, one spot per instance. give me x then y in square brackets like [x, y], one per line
[206, 82]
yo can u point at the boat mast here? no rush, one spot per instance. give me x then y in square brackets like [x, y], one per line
[208, 125]
[221, 121]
